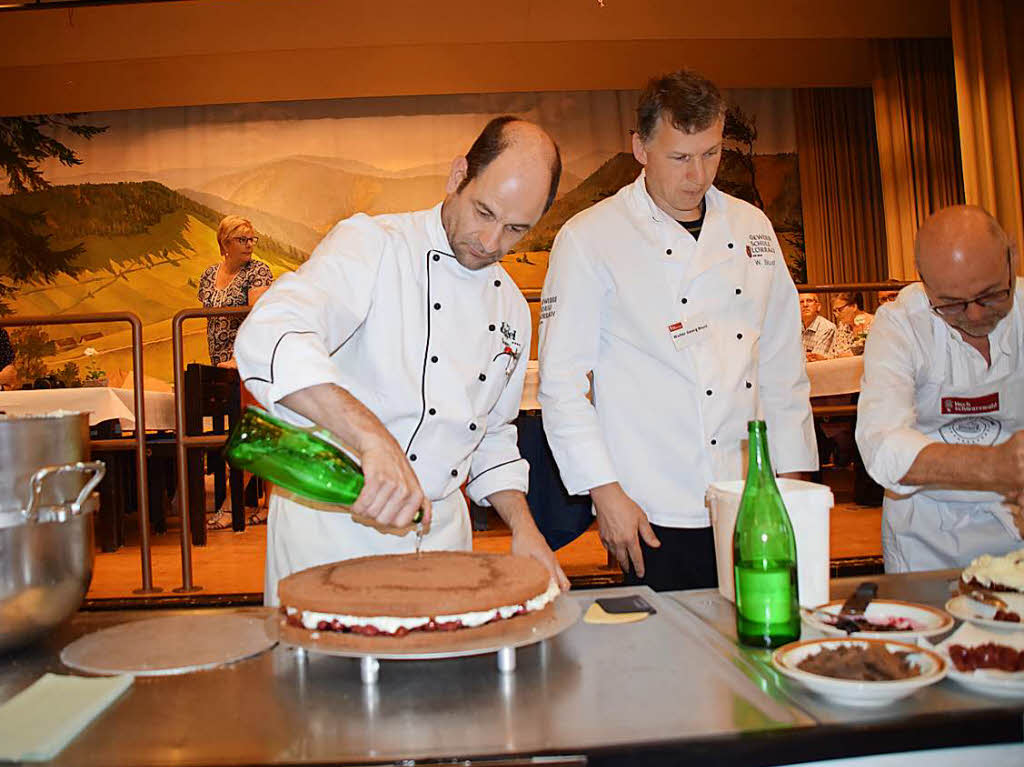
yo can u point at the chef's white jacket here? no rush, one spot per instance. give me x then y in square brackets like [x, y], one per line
[687, 341]
[436, 351]
[922, 384]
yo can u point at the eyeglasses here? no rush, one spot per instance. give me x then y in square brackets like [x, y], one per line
[246, 240]
[987, 301]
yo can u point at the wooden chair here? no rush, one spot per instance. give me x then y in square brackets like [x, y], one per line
[211, 392]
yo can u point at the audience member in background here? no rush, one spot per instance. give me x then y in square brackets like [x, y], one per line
[852, 324]
[8, 377]
[238, 280]
[818, 333]
[941, 413]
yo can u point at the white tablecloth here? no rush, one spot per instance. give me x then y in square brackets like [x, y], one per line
[838, 376]
[529, 400]
[102, 404]
[828, 377]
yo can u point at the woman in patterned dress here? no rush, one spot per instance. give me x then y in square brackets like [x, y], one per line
[238, 280]
[852, 324]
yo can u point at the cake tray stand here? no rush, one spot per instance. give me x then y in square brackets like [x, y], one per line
[565, 613]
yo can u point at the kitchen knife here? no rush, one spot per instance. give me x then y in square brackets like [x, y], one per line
[858, 601]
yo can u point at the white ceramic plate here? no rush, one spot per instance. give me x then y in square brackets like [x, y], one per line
[930, 621]
[978, 613]
[987, 681]
[990, 681]
[857, 693]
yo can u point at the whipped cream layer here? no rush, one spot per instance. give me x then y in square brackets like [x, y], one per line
[384, 624]
[1007, 570]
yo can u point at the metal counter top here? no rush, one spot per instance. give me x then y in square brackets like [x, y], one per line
[939, 715]
[592, 689]
[671, 689]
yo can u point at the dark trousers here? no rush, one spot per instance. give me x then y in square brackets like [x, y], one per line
[685, 560]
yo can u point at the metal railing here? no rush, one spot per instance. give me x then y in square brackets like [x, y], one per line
[852, 287]
[183, 441]
[138, 442]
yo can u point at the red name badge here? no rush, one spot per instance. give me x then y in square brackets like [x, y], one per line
[970, 405]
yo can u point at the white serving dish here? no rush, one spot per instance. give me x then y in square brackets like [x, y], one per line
[854, 692]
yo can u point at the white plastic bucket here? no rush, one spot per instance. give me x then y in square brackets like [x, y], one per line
[808, 505]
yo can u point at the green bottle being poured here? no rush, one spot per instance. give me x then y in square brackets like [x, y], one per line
[764, 555]
[294, 458]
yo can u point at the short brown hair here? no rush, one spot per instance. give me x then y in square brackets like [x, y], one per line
[494, 140]
[688, 100]
[857, 299]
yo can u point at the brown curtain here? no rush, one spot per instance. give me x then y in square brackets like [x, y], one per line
[844, 224]
[918, 141]
[989, 64]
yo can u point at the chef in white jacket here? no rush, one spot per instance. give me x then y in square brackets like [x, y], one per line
[677, 299]
[404, 337]
[941, 410]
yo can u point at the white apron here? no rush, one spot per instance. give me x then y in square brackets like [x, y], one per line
[301, 535]
[933, 528]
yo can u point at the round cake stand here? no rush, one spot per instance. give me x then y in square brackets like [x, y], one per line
[565, 613]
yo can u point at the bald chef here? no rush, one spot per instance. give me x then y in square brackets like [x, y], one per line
[404, 337]
[676, 297]
[941, 410]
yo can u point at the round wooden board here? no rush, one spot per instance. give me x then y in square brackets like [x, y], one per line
[177, 644]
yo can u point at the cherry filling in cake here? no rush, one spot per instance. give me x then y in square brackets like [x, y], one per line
[431, 624]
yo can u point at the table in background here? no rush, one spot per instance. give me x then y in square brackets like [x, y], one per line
[103, 403]
[837, 376]
[111, 414]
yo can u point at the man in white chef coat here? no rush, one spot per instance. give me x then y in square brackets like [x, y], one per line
[677, 299]
[941, 409]
[404, 337]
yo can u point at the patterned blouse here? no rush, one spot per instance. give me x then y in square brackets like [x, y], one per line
[851, 339]
[221, 331]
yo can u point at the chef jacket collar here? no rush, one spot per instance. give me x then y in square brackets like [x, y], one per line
[716, 234]
[438, 239]
[642, 200]
[435, 232]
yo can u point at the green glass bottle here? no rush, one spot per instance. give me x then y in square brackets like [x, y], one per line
[294, 458]
[764, 555]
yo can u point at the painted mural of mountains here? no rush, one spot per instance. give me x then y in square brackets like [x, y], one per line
[144, 247]
[289, 232]
[318, 196]
[618, 171]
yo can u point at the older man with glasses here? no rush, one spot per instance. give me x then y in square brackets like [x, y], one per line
[941, 409]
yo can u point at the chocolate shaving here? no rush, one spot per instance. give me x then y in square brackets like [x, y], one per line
[867, 664]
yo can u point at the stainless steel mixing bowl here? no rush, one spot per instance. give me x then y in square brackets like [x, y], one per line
[46, 555]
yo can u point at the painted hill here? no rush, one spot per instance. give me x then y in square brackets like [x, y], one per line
[318, 196]
[145, 247]
[618, 171]
[281, 229]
